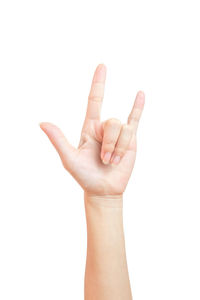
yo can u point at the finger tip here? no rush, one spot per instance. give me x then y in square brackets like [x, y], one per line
[101, 65]
[100, 73]
[141, 94]
[140, 99]
[42, 124]
[104, 161]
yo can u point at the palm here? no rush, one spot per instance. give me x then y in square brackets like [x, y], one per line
[95, 176]
[86, 163]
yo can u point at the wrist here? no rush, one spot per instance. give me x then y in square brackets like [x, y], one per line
[107, 200]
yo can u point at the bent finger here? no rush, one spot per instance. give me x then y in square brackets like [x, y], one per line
[111, 133]
[122, 143]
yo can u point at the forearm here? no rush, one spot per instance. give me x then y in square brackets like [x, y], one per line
[106, 274]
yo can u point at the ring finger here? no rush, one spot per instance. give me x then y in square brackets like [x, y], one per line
[122, 143]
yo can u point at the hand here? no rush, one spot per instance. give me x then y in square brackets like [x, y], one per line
[104, 159]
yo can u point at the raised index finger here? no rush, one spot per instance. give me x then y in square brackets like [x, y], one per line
[96, 93]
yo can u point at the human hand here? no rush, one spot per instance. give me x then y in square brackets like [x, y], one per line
[103, 162]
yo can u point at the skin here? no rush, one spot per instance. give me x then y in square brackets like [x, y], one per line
[102, 164]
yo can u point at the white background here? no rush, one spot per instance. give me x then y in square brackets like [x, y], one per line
[48, 53]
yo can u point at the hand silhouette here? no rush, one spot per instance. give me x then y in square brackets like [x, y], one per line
[103, 162]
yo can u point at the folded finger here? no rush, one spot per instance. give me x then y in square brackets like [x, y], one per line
[122, 143]
[111, 133]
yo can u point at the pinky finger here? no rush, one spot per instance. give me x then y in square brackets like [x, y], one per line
[136, 111]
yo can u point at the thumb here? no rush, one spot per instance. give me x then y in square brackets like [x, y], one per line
[65, 150]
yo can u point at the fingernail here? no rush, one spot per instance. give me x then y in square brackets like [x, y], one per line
[106, 158]
[116, 160]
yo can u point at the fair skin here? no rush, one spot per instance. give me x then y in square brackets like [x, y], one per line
[102, 164]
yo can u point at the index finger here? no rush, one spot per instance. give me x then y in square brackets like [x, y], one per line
[96, 93]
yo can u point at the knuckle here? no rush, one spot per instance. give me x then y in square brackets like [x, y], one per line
[133, 144]
[95, 98]
[109, 147]
[128, 130]
[113, 121]
[127, 127]
[130, 118]
[135, 115]
[97, 89]
[120, 151]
